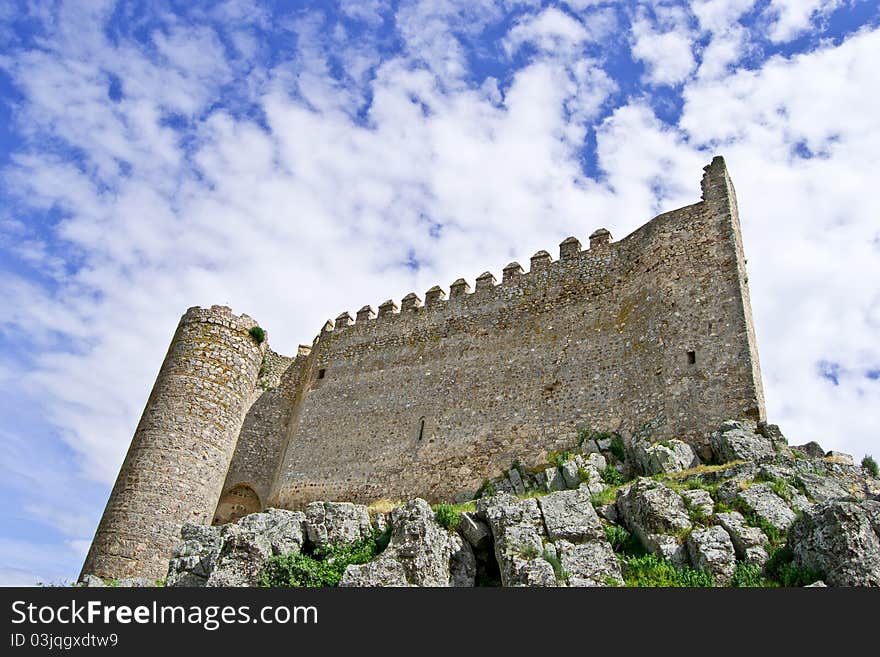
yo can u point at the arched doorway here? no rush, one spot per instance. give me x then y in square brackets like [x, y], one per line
[238, 502]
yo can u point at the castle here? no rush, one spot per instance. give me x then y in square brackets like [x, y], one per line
[429, 399]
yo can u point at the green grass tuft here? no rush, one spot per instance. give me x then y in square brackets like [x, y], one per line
[258, 334]
[611, 476]
[486, 489]
[607, 496]
[649, 570]
[782, 569]
[553, 560]
[747, 575]
[324, 567]
[618, 448]
[447, 516]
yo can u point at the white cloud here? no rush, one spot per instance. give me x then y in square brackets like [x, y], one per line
[666, 53]
[719, 15]
[551, 31]
[790, 18]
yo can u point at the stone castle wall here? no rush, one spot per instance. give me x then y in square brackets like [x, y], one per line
[182, 447]
[262, 437]
[434, 398]
[430, 399]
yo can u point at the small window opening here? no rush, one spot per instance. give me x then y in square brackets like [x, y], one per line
[421, 428]
[692, 357]
[321, 373]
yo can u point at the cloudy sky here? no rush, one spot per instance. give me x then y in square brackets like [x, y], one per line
[294, 160]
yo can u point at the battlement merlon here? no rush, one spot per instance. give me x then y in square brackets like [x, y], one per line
[436, 297]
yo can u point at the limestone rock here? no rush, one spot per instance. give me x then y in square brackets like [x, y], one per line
[533, 572]
[554, 480]
[822, 488]
[774, 434]
[699, 500]
[711, 550]
[597, 461]
[243, 555]
[749, 542]
[608, 511]
[475, 531]
[428, 554]
[592, 563]
[657, 516]
[839, 539]
[516, 481]
[380, 572]
[336, 523]
[568, 515]
[591, 479]
[767, 505]
[811, 449]
[462, 563]
[380, 521]
[518, 529]
[840, 457]
[738, 440]
[91, 582]
[194, 559]
[135, 582]
[570, 474]
[589, 447]
[669, 456]
[285, 530]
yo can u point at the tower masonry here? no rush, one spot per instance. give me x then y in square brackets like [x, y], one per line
[181, 450]
[430, 397]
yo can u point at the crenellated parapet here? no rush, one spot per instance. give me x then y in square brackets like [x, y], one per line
[460, 291]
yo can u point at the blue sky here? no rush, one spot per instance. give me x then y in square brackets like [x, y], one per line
[298, 159]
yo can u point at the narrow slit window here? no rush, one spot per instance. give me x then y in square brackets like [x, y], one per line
[421, 428]
[321, 373]
[692, 357]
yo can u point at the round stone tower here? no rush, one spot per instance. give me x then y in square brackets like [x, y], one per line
[177, 462]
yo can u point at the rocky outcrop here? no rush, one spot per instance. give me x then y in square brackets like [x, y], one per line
[543, 530]
[518, 529]
[767, 505]
[242, 557]
[194, 559]
[739, 441]
[841, 540]
[92, 581]
[711, 550]
[420, 553]
[698, 502]
[749, 542]
[335, 523]
[554, 540]
[236, 553]
[657, 515]
[667, 456]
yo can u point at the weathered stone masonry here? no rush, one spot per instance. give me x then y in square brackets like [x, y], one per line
[430, 399]
[181, 450]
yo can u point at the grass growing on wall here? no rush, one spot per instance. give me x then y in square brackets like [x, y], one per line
[258, 334]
